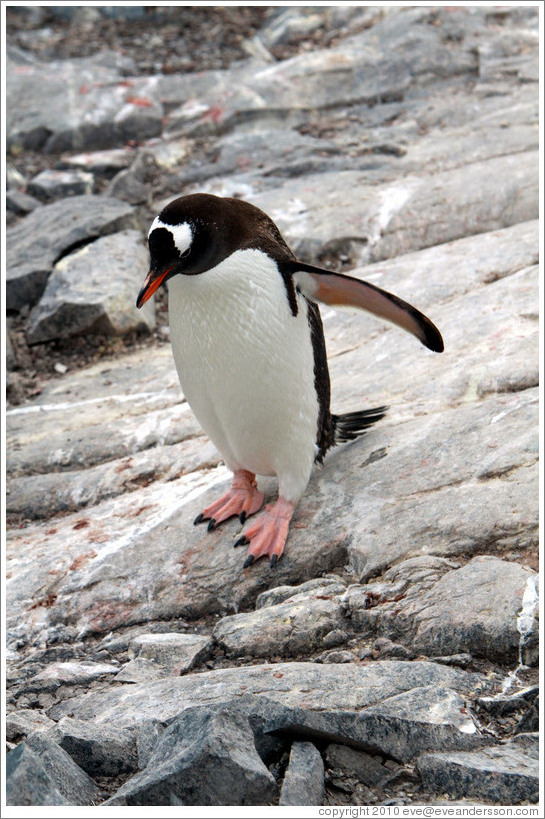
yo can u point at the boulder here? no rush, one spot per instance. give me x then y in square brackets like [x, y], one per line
[94, 290]
[50, 232]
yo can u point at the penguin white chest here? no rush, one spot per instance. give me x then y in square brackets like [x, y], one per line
[246, 365]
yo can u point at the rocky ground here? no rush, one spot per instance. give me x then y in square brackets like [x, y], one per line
[390, 658]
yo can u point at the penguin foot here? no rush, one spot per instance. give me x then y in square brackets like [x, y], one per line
[243, 499]
[268, 535]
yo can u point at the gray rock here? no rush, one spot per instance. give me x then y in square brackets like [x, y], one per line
[68, 673]
[488, 594]
[20, 203]
[44, 495]
[99, 163]
[330, 585]
[54, 184]
[296, 685]
[290, 628]
[26, 721]
[288, 25]
[379, 221]
[99, 750]
[503, 774]
[205, 757]
[100, 110]
[76, 787]
[93, 290]
[413, 607]
[48, 233]
[14, 178]
[176, 652]
[27, 781]
[368, 769]
[147, 737]
[141, 670]
[11, 358]
[126, 186]
[304, 778]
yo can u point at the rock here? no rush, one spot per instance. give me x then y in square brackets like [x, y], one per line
[176, 652]
[11, 358]
[330, 585]
[380, 220]
[26, 721]
[127, 187]
[54, 184]
[147, 737]
[205, 757]
[14, 178]
[290, 628]
[99, 750]
[50, 232]
[503, 774]
[288, 25]
[68, 673]
[141, 670]
[488, 594]
[368, 769]
[93, 290]
[27, 781]
[304, 779]
[76, 787]
[102, 111]
[20, 203]
[295, 685]
[99, 163]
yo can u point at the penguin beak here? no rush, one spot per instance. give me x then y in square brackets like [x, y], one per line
[152, 283]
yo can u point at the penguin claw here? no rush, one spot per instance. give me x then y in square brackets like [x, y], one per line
[242, 499]
[242, 541]
[198, 519]
[268, 535]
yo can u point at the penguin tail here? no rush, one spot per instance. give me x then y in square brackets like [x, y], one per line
[353, 424]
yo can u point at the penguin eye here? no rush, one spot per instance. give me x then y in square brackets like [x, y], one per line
[185, 253]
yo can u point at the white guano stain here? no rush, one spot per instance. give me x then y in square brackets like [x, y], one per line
[525, 623]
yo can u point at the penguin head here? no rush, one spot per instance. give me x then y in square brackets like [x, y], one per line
[190, 235]
[195, 233]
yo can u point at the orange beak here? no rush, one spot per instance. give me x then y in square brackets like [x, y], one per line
[150, 286]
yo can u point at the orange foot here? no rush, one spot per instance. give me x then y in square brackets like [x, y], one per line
[243, 499]
[267, 536]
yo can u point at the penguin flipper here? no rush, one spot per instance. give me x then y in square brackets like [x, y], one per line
[338, 289]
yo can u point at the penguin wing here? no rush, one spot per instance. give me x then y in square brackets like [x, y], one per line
[337, 289]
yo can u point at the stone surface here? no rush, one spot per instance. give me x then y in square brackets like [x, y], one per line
[26, 721]
[75, 786]
[27, 781]
[54, 184]
[503, 774]
[205, 757]
[92, 290]
[304, 778]
[176, 652]
[290, 628]
[68, 673]
[50, 232]
[398, 144]
[297, 685]
[79, 104]
[97, 749]
[367, 768]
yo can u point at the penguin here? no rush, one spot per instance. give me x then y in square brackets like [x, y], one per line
[248, 345]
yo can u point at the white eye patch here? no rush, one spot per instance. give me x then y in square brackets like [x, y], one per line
[181, 234]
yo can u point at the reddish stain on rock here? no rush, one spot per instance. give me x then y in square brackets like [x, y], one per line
[141, 102]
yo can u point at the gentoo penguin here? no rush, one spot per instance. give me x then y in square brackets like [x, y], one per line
[249, 349]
